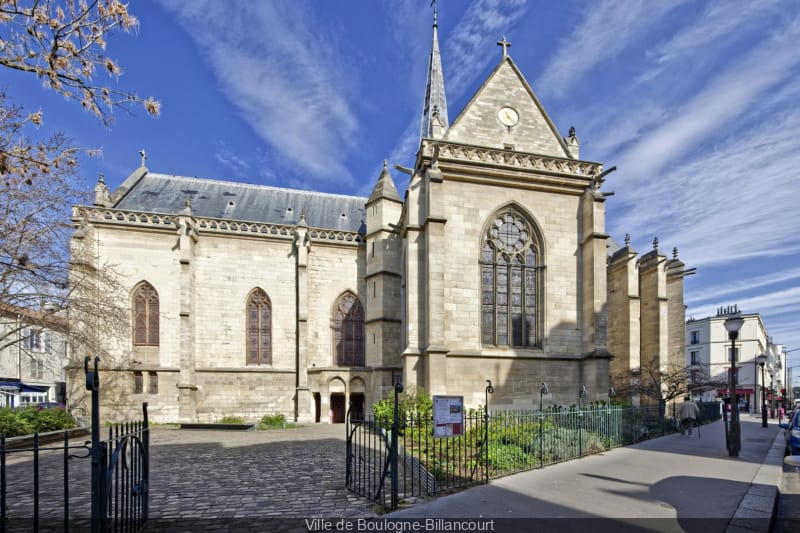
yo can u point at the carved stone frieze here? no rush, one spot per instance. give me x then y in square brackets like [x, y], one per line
[509, 158]
[210, 225]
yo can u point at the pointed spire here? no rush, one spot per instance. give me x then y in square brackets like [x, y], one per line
[434, 110]
[384, 187]
[101, 196]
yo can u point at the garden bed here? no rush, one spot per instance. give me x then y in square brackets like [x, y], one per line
[216, 426]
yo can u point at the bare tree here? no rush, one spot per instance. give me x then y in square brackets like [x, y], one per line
[63, 44]
[662, 384]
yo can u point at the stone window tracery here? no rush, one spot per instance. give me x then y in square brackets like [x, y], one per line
[510, 282]
[259, 329]
[348, 331]
[145, 316]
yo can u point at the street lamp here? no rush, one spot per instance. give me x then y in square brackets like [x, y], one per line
[771, 394]
[762, 360]
[733, 325]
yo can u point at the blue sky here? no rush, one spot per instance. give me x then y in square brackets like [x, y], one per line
[695, 102]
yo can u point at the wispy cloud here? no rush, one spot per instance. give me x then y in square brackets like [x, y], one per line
[721, 168]
[228, 157]
[714, 293]
[608, 29]
[719, 23]
[723, 100]
[283, 73]
[484, 22]
[782, 301]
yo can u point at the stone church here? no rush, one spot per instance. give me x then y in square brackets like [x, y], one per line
[248, 300]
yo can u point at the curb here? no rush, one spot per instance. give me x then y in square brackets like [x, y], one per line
[758, 507]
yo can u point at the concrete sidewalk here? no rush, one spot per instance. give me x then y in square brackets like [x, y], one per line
[671, 483]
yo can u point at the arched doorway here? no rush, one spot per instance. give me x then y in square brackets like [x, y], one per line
[336, 388]
[357, 388]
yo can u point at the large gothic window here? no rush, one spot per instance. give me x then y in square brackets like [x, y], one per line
[510, 282]
[259, 329]
[145, 316]
[348, 331]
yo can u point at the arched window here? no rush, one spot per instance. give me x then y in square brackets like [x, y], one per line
[145, 316]
[348, 331]
[259, 329]
[510, 282]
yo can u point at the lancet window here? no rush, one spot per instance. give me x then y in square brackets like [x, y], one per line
[145, 316]
[259, 329]
[511, 284]
[348, 331]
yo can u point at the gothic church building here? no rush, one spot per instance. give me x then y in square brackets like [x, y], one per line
[248, 300]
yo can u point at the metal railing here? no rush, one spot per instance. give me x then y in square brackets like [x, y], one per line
[37, 490]
[491, 446]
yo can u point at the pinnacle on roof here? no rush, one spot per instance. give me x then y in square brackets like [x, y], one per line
[434, 108]
[384, 188]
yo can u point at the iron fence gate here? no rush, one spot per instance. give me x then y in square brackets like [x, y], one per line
[117, 487]
[402, 450]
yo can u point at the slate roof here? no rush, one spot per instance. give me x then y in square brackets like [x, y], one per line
[162, 193]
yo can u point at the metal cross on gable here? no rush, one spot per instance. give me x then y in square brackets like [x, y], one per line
[505, 44]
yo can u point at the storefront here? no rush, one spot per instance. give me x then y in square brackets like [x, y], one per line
[17, 394]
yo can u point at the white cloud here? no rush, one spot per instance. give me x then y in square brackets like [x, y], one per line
[608, 28]
[465, 51]
[721, 102]
[282, 71]
[714, 293]
[719, 22]
[776, 302]
[722, 169]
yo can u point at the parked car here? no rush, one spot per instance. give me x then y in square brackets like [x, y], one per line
[791, 430]
[50, 405]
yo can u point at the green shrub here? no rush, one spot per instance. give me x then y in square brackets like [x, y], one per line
[414, 403]
[53, 419]
[30, 419]
[12, 425]
[276, 421]
[231, 420]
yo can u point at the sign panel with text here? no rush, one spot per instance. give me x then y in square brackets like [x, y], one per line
[448, 416]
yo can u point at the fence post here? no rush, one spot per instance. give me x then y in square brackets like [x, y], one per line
[146, 465]
[98, 453]
[581, 395]
[544, 390]
[398, 388]
[489, 390]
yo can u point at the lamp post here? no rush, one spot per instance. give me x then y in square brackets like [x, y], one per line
[762, 360]
[733, 324]
[771, 394]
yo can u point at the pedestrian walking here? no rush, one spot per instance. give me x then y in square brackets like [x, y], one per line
[688, 415]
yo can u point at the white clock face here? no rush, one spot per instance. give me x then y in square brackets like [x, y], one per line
[508, 116]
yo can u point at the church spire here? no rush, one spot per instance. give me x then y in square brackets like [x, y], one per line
[434, 110]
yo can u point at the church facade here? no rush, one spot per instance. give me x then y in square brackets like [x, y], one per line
[248, 300]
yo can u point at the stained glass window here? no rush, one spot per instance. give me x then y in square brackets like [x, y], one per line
[510, 275]
[259, 329]
[348, 331]
[145, 316]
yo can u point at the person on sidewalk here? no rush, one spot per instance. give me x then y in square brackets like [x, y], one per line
[688, 415]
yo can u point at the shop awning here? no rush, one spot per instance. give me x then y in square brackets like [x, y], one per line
[724, 392]
[18, 386]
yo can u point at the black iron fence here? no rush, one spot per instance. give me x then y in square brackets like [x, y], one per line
[48, 488]
[398, 457]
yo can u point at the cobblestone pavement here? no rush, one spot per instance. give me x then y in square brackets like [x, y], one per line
[208, 481]
[281, 473]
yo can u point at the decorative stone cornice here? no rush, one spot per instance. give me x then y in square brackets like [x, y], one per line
[456, 152]
[99, 215]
